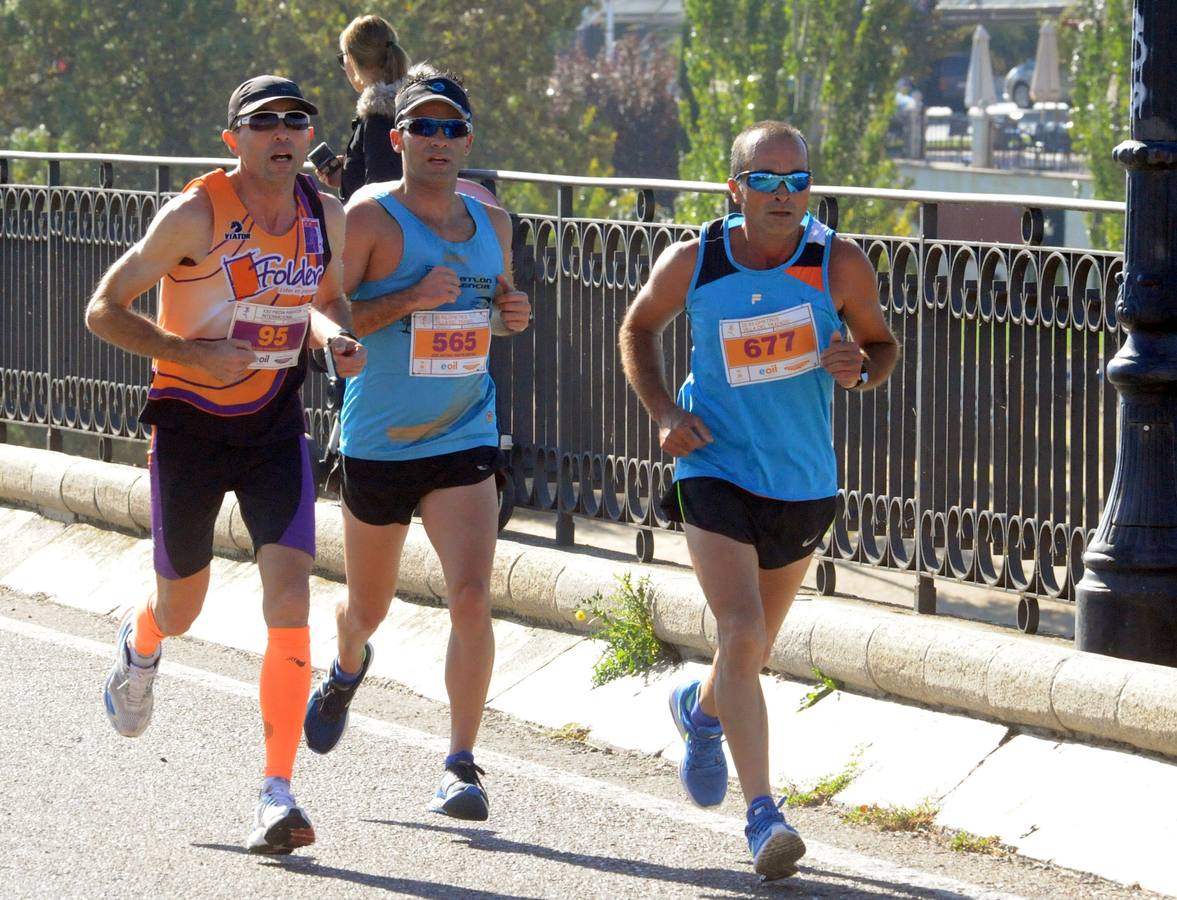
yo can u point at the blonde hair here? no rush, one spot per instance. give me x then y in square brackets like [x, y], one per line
[374, 50]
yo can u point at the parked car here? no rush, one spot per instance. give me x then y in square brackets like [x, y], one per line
[1017, 85]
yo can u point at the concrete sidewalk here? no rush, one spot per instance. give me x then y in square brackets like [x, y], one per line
[1005, 734]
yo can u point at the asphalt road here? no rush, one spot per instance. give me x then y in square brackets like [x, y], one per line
[87, 813]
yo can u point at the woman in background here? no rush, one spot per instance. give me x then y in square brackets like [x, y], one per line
[375, 63]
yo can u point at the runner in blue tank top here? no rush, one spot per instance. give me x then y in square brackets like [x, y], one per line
[429, 271]
[767, 292]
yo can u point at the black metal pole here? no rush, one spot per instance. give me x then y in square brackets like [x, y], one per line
[1127, 600]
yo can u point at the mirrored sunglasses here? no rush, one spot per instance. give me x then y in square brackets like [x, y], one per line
[768, 182]
[424, 127]
[294, 119]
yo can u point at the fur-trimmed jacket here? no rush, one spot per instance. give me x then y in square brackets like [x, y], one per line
[370, 157]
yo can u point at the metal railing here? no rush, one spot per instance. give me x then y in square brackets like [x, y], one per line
[983, 460]
[1037, 147]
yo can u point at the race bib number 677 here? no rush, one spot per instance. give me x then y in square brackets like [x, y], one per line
[770, 347]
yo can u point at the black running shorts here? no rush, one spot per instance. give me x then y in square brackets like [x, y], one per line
[190, 476]
[782, 531]
[385, 492]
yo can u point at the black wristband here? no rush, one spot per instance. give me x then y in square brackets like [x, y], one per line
[343, 332]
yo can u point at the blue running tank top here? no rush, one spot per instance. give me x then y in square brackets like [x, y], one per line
[426, 389]
[756, 379]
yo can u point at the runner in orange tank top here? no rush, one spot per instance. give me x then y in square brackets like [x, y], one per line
[246, 264]
[250, 269]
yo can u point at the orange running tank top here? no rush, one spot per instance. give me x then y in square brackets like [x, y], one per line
[246, 265]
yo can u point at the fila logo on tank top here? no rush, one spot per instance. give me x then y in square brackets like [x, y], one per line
[756, 379]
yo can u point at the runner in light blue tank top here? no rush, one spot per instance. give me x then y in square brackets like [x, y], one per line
[756, 377]
[391, 412]
[780, 310]
[429, 274]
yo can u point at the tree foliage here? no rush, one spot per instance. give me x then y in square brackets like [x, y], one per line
[634, 92]
[126, 77]
[1101, 75]
[827, 66]
[119, 76]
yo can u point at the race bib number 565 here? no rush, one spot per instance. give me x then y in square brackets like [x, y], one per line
[450, 344]
[770, 347]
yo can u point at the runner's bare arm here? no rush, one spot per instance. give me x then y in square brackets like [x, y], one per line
[182, 230]
[365, 222]
[330, 311]
[661, 299]
[513, 306]
[855, 291]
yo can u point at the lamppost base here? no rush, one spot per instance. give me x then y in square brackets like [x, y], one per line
[1127, 615]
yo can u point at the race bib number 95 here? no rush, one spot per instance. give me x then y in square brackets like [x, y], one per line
[450, 344]
[275, 333]
[770, 347]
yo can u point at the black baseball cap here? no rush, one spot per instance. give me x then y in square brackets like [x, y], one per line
[253, 94]
[441, 88]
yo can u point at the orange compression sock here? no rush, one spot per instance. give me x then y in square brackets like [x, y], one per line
[146, 634]
[285, 684]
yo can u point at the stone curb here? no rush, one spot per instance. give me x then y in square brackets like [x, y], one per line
[1011, 679]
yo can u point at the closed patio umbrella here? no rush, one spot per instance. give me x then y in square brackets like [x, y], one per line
[979, 90]
[1046, 85]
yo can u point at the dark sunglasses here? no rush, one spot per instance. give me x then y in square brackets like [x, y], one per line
[768, 182]
[424, 127]
[294, 119]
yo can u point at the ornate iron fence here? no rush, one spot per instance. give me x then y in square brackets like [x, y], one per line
[983, 460]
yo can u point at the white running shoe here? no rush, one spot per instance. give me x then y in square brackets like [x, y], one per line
[280, 825]
[127, 694]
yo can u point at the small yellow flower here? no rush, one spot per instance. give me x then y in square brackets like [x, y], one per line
[580, 616]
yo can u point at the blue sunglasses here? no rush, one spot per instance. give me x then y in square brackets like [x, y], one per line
[768, 182]
[425, 127]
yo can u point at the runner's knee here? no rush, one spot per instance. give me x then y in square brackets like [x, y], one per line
[363, 611]
[286, 605]
[743, 645]
[470, 604]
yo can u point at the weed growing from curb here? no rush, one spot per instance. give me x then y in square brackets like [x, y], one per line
[965, 842]
[893, 818]
[824, 687]
[573, 732]
[822, 793]
[627, 627]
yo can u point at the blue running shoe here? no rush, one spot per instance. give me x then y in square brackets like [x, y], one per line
[775, 844]
[461, 794]
[326, 716]
[703, 770]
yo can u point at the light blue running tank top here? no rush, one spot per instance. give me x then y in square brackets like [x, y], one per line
[389, 413]
[755, 378]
